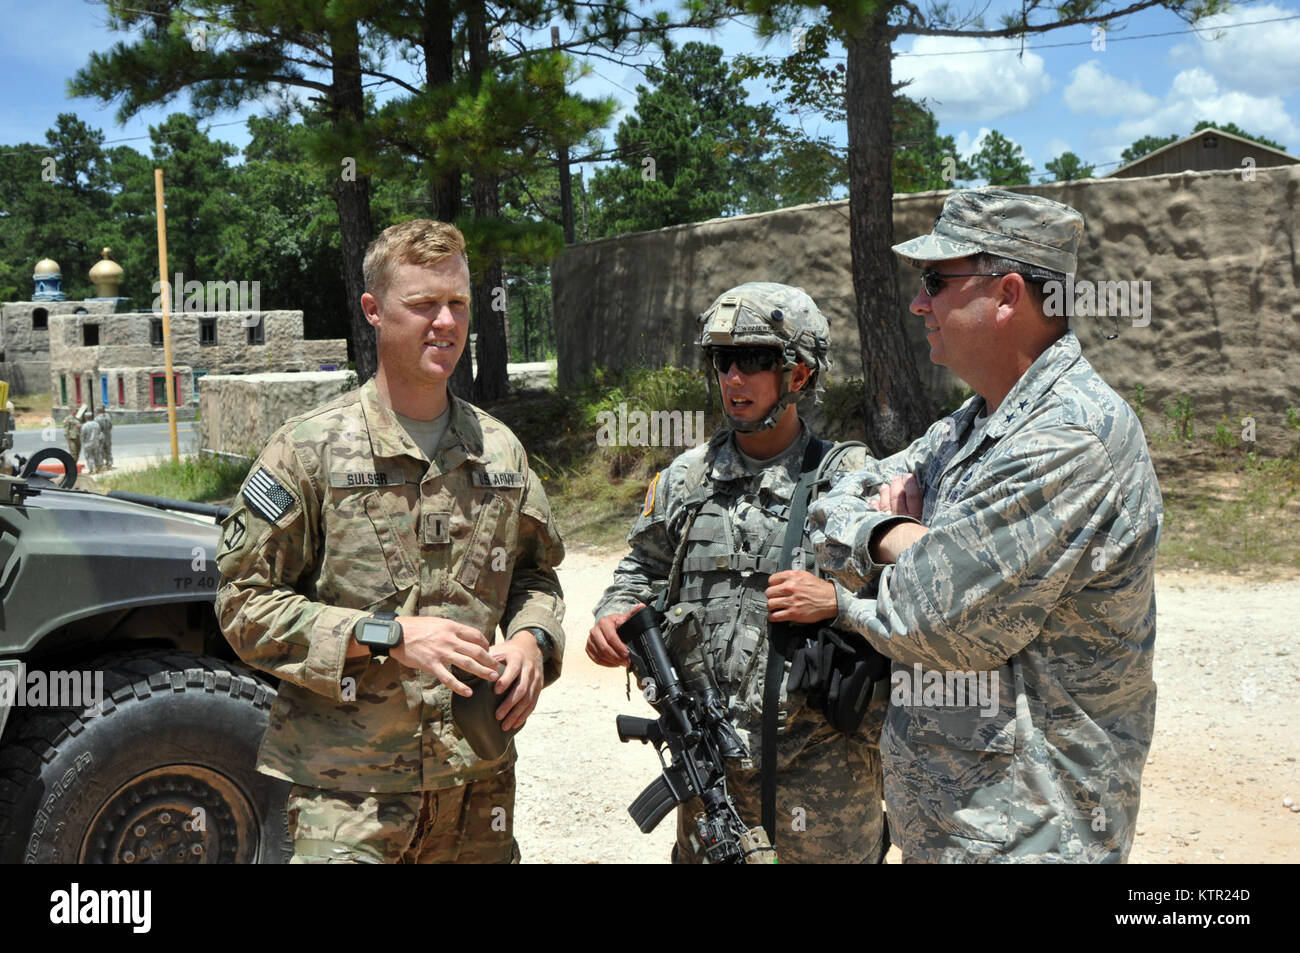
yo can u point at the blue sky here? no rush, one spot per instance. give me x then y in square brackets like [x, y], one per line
[1061, 94]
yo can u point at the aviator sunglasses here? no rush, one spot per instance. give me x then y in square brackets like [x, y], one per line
[750, 360]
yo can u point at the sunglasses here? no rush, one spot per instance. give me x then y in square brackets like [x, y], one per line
[750, 360]
[932, 281]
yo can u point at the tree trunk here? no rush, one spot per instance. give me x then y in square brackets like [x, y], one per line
[347, 108]
[490, 379]
[896, 408]
[439, 71]
[566, 194]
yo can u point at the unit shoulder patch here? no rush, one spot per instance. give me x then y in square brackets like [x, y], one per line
[649, 506]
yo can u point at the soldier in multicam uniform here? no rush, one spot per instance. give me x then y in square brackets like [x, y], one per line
[396, 503]
[768, 344]
[1014, 541]
[72, 431]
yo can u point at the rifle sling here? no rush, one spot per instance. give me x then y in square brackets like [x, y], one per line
[779, 634]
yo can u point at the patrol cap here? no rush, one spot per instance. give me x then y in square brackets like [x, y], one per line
[1026, 228]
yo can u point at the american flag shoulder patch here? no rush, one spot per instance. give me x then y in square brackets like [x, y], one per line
[267, 496]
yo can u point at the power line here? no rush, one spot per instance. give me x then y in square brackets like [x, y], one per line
[1109, 39]
[113, 142]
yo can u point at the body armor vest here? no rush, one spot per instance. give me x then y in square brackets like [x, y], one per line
[717, 625]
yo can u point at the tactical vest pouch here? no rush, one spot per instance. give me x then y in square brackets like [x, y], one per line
[836, 672]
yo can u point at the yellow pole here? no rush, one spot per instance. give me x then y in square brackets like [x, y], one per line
[170, 383]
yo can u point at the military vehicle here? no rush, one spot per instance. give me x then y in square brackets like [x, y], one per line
[128, 731]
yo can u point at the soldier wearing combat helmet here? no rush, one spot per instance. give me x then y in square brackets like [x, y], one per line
[707, 546]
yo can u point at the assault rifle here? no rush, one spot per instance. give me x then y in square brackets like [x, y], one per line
[697, 734]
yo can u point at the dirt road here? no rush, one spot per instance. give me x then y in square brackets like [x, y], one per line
[1223, 759]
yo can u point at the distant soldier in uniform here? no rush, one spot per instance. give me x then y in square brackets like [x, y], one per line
[72, 431]
[376, 547]
[1010, 550]
[92, 441]
[711, 532]
[105, 421]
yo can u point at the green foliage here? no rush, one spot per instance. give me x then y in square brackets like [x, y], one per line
[920, 153]
[1236, 130]
[1068, 167]
[692, 149]
[1223, 437]
[1139, 403]
[999, 161]
[664, 388]
[839, 416]
[1180, 414]
[1145, 146]
[201, 479]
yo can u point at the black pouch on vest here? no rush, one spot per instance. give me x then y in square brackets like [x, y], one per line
[836, 673]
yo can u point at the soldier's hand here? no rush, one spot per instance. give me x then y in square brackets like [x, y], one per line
[434, 645]
[524, 670]
[604, 647]
[901, 496]
[797, 596]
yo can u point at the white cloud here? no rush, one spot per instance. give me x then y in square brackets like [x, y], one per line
[1195, 95]
[1258, 59]
[1056, 147]
[1093, 90]
[974, 87]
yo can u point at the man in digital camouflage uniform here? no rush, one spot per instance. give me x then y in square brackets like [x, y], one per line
[768, 344]
[398, 498]
[1014, 542]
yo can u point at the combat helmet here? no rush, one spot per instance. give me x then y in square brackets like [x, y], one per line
[765, 314]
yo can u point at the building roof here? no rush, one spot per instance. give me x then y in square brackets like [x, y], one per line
[1200, 134]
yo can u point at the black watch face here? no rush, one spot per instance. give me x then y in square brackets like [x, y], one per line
[378, 632]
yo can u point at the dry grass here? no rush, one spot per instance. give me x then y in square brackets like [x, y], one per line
[32, 410]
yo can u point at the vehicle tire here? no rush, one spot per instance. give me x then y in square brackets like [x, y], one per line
[165, 774]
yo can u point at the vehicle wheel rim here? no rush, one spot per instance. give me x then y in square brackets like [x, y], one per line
[178, 814]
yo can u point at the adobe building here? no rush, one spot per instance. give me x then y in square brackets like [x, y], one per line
[87, 352]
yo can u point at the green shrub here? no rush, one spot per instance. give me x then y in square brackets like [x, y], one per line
[1180, 414]
[1139, 403]
[1223, 438]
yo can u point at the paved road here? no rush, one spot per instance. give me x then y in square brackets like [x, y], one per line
[130, 441]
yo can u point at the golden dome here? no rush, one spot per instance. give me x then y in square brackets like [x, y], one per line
[105, 269]
[106, 275]
[45, 268]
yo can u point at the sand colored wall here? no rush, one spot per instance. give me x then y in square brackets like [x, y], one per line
[1220, 253]
[239, 413]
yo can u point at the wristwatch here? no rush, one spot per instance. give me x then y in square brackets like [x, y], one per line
[379, 632]
[544, 641]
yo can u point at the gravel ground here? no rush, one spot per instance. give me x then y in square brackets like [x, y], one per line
[1223, 759]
